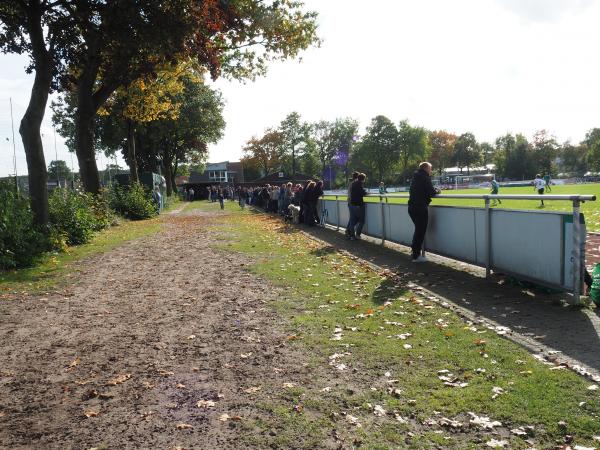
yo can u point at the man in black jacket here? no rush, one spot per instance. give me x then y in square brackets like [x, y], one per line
[356, 206]
[421, 192]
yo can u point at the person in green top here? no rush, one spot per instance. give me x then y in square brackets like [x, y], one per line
[494, 191]
[548, 182]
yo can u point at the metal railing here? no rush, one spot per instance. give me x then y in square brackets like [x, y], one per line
[575, 199]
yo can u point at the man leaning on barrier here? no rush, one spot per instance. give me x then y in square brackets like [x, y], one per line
[421, 192]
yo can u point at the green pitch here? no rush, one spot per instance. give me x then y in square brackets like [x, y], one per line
[590, 209]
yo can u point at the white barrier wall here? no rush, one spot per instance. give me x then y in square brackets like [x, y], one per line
[531, 245]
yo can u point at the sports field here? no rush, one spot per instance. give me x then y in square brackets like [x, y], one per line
[591, 210]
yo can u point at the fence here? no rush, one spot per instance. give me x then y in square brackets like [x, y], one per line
[544, 247]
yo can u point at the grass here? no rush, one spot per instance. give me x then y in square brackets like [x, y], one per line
[329, 290]
[55, 268]
[591, 210]
[58, 267]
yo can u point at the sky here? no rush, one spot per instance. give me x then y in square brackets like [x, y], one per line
[483, 66]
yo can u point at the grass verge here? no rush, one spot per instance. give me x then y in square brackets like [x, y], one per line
[403, 370]
[55, 268]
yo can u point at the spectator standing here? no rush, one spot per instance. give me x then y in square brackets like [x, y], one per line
[307, 202]
[311, 215]
[352, 180]
[421, 193]
[356, 206]
[191, 194]
[382, 189]
[221, 198]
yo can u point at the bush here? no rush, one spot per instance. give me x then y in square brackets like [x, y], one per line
[20, 242]
[76, 215]
[132, 202]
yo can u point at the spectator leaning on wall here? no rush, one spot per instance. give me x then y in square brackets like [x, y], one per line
[421, 192]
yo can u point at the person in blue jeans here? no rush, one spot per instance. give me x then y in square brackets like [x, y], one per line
[356, 206]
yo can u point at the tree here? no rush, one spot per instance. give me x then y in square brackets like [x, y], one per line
[347, 136]
[295, 137]
[467, 152]
[58, 170]
[170, 141]
[592, 142]
[442, 149]
[378, 151]
[264, 153]
[513, 157]
[41, 31]
[414, 145]
[235, 38]
[92, 47]
[573, 158]
[487, 152]
[545, 150]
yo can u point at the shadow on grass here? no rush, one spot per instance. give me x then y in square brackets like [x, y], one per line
[535, 314]
[388, 289]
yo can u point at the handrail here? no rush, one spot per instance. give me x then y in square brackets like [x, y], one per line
[573, 197]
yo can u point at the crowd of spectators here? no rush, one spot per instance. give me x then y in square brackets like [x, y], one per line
[272, 198]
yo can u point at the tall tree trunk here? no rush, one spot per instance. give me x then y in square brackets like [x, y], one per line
[29, 128]
[32, 143]
[84, 140]
[168, 177]
[133, 169]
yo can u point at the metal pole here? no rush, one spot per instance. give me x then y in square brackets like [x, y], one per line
[337, 206]
[382, 220]
[576, 254]
[14, 146]
[488, 238]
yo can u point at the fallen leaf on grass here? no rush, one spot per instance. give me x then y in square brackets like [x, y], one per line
[446, 422]
[118, 379]
[165, 373]
[91, 413]
[484, 422]
[180, 386]
[353, 420]
[245, 355]
[289, 385]
[379, 411]
[593, 387]
[73, 364]
[147, 385]
[497, 392]
[493, 443]
[183, 426]
[192, 336]
[205, 404]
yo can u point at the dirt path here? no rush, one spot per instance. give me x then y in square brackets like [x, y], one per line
[146, 332]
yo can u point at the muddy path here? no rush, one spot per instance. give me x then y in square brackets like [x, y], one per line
[163, 343]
